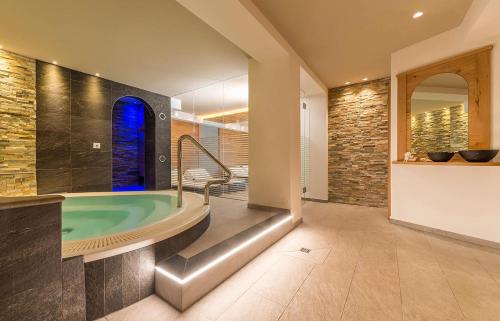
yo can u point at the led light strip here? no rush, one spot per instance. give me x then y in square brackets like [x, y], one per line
[225, 113]
[224, 256]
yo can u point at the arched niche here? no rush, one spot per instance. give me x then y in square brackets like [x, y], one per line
[133, 145]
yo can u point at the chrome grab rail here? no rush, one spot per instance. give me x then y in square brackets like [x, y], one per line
[209, 182]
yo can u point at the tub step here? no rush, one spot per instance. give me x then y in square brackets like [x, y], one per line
[182, 281]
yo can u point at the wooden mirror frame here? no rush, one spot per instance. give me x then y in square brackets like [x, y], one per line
[474, 67]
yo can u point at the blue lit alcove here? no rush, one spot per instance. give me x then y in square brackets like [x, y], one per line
[131, 119]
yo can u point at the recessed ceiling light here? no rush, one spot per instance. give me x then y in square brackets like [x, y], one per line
[98, 74]
[347, 82]
[365, 79]
[418, 14]
[54, 62]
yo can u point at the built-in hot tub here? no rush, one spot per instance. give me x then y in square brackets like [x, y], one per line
[99, 225]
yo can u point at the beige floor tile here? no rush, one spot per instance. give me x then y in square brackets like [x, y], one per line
[252, 307]
[426, 295]
[375, 286]
[317, 256]
[363, 313]
[151, 308]
[322, 296]
[362, 268]
[282, 282]
[305, 236]
[215, 303]
[490, 261]
[479, 298]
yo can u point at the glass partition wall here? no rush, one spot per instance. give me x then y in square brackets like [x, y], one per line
[217, 116]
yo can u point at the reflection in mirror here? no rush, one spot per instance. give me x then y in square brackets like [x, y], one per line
[439, 115]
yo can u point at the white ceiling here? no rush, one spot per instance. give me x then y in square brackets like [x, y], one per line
[349, 40]
[223, 96]
[156, 45]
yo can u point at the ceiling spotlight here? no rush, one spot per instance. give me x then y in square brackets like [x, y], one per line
[347, 82]
[418, 14]
[98, 74]
[365, 79]
[54, 62]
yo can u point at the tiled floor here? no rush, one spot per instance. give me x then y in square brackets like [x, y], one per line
[360, 268]
[228, 217]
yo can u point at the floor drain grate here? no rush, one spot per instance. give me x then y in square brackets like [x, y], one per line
[305, 250]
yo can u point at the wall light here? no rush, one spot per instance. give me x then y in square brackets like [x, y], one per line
[54, 62]
[98, 74]
[223, 257]
[418, 14]
[365, 79]
[347, 83]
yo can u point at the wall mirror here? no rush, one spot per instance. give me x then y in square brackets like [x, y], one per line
[445, 106]
[439, 115]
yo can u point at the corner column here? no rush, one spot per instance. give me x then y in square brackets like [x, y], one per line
[274, 134]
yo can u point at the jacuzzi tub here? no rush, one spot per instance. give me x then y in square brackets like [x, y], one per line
[99, 225]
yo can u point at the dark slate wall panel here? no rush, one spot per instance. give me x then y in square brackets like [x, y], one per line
[146, 271]
[94, 289]
[73, 280]
[131, 263]
[113, 279]
[30, 263]
[73, 111]
[53, 125]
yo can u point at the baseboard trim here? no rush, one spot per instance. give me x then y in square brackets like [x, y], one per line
[314, 200]
[268, 208]
[452, 235]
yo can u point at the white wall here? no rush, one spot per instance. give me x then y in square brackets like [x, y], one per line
[274, 134]
[461, 199]
[317, 134]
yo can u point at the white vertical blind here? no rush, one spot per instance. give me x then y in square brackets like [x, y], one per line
[222, 131]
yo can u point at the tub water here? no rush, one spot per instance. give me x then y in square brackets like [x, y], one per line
[85, 217]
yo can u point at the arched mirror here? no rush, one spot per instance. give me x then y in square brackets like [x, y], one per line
[445, 106]
[439, 115]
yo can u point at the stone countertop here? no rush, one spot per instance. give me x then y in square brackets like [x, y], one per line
[25, 201]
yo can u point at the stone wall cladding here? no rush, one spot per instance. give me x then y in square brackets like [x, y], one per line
[74, 111]
[126, 138]
[17, 125]
[358, 151]
[443, 129]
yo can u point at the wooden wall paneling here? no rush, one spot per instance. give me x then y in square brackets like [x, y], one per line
[191, 155]
[402, 117]
[474, 67]
[483, 116]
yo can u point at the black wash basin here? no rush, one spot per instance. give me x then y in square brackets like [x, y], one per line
[480, 155]
[440, 156]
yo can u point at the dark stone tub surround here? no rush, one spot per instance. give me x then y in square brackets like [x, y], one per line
[74, 110]
[30, 259]
[121, 280]
[35, 284]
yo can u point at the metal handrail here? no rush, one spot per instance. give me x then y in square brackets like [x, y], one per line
[209, 182]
